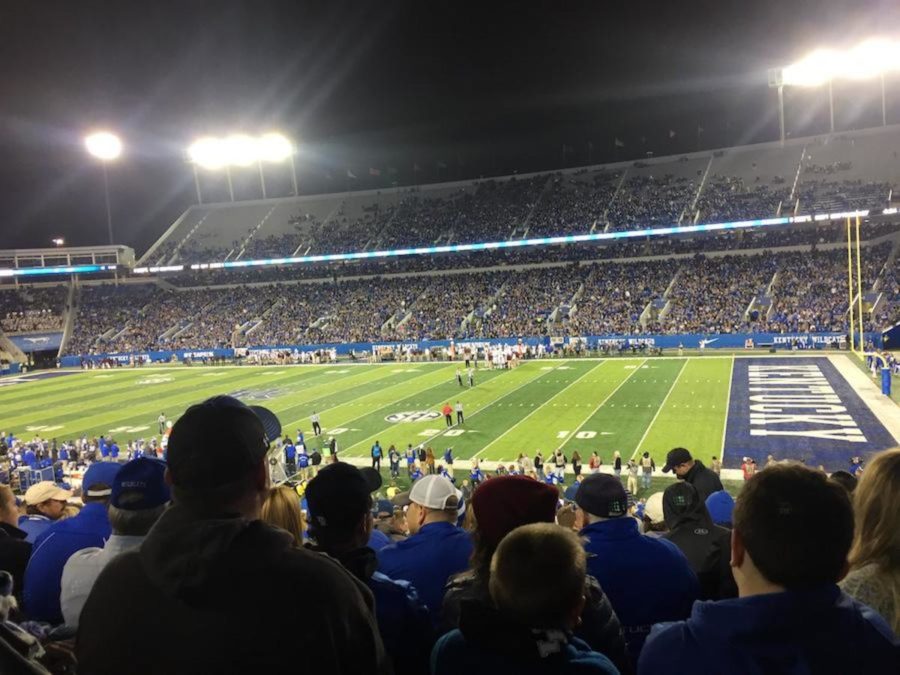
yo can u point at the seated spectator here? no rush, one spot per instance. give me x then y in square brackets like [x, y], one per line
[874, 576]
[138, 498]
[230, 593]
[692, 471]
[59, 541]
[501, 505]
[846, 479]
[647, 579]
[720, 505]
[382, 510]
[14, 550]
[537, 579]
[706, 545]
[45, 503]
[340, 524]
[436, 548]
[792, 533]
[282, 509]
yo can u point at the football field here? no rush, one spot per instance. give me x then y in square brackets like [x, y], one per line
[630, 405]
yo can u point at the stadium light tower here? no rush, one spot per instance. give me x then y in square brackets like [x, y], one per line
[869, 59]
[240, 150]
[107, 147]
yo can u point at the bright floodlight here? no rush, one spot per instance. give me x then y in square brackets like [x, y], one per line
[274, 148]
[866, 60]
[103, 145]
[241, 150]
[208, 153]
[59, 241]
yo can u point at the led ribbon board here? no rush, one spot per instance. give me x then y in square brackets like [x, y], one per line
[57, 269]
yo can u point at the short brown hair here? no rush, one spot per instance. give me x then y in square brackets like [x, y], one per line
[796, 525]
[538, 573]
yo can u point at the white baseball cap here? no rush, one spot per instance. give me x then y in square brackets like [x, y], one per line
[432, 492]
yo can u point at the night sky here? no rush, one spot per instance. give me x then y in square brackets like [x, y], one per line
[461, 89]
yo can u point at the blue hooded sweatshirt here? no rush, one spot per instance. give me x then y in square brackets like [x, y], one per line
[821, 631]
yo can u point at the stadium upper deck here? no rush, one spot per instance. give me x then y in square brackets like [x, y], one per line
[812, 175]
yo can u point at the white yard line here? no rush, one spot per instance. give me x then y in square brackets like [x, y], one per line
[594, 411]
[883, 407]
[540, 407]
[727, 410]
[659, 410]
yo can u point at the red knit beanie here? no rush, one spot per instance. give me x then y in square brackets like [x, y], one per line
[505, 503]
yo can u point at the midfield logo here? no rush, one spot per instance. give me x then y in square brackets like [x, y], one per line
[413, 416]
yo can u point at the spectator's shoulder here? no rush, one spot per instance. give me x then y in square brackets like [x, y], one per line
[665, 648]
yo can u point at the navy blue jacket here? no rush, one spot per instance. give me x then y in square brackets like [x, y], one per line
[822, 631]
[647, 580]
[52, 550]
[403, 619]
[427, 560]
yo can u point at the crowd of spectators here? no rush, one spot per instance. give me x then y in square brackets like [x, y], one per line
[829, 197]
[507, 574]
[724, 294]
[615, 295]
[31, 309]
[727, 199]
[712, 295]
[572, 204]
[648, 201]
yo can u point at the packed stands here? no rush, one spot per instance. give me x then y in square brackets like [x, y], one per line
[32, 308]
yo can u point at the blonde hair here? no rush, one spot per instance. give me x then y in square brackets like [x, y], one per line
[282, 509]
[876, 539]
[538, 573]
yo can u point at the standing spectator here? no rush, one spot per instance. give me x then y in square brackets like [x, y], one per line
[317, 428]
[647, 580]
[874, 577]
[502, 505]
[748, 468]
[706, 545]
[212, 535]
[716, 466]
[576, 465]
[692, 471]
[44, 504]
[282, 509]
[648, 466]
[559, 463]
[632, 480]
[448, 414]
[376, 456]
[137, 500]
[290, 457]
[436, 548]
[537, 587]
[59, 541]
[394, 461]
[770, 461]
[340, 524]
[14, 550]
[792, 532]
[460, 418]
[617, 463]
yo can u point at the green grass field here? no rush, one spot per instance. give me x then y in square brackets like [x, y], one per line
[624, 404]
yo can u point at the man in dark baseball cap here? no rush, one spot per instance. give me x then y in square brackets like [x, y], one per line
[618, 554]
[340, 523]
[691, 470]
[214, 574]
